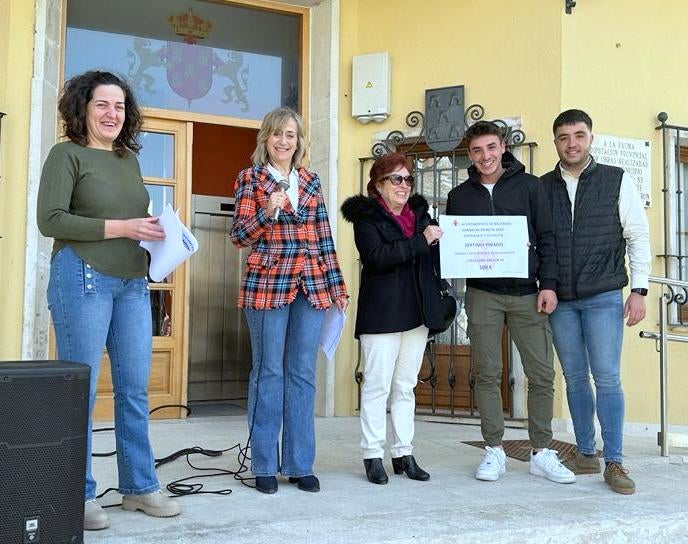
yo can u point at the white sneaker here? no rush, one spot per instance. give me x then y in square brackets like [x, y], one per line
[493, 465]
[547, 464]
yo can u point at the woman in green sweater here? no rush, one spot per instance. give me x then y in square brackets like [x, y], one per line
[93, 202]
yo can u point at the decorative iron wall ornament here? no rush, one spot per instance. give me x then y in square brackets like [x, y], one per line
[444, 118]
[397, 137]
[512, 136]
[474, 113]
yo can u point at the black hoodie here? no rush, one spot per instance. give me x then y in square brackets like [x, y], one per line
[515, 193]
[395, 269]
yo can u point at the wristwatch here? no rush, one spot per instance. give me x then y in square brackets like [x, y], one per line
[640, 291]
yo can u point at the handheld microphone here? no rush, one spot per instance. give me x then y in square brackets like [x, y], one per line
[282, 185]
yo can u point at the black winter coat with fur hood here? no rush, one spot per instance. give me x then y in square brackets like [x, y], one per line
[396, 270]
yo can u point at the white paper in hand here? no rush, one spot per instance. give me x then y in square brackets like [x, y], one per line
[331, 332]
[179, 244]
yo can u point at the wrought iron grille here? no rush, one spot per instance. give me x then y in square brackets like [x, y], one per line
[675, 212]
[447, 379]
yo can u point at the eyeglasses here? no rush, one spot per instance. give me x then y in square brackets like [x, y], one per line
[396, 179]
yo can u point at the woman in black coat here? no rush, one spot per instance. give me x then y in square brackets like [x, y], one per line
[396, 243]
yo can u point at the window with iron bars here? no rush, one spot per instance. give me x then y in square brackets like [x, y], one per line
[675, 210]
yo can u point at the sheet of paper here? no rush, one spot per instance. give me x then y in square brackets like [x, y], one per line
[331, 331]
[484, 246]
[179, 244]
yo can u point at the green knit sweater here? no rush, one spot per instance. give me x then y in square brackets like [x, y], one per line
[80, 188]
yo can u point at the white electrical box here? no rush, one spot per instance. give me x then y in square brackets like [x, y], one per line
[371, 93]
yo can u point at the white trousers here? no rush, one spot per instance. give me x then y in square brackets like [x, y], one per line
[391, 365]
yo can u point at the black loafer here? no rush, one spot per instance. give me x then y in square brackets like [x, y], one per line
[408, 464]
[307, 483]
[375, 472]
[266, 484]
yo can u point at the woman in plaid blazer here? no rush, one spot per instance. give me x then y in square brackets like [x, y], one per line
[291, 277]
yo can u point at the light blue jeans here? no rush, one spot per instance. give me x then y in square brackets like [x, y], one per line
[588, 334]
[91, 310]
[284, 345]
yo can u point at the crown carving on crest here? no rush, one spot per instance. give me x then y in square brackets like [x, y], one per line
[190, 26]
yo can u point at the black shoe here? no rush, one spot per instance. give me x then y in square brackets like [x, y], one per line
[375, 471]
[408, 464]
[306, 483]
[266, 484]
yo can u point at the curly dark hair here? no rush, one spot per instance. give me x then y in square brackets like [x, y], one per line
[78, 92]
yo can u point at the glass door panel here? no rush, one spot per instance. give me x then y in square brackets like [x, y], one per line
[157, 155]
[161, 311]
[160, 196]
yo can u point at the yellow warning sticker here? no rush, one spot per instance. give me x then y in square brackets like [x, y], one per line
[369, 85]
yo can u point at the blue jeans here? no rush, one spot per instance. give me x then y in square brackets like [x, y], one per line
[91, 310]
[284, 345]
[588, 334]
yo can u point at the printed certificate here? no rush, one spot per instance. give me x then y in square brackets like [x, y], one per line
[484, 246]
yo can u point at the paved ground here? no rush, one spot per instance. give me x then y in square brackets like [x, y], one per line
[452, 507]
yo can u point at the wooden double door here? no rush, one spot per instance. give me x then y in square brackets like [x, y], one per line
[165, 167]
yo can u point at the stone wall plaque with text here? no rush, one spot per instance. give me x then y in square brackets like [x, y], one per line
[633, 155]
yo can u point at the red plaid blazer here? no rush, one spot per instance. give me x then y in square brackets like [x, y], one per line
[295, 250]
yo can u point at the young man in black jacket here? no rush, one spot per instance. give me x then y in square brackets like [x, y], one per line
[498, 185]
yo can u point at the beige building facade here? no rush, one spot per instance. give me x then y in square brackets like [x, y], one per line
[524, 62]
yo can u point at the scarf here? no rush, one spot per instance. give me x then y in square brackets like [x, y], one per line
[406, 219]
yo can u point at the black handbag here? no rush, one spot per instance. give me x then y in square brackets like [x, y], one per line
[446, 308]
[439, 304]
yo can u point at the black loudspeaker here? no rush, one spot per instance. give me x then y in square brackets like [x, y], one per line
[43, 426]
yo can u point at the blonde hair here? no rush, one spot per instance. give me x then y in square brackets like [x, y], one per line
[273, 121]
